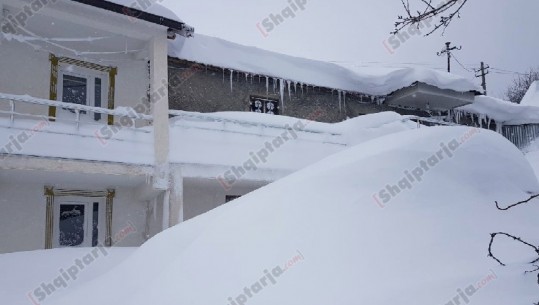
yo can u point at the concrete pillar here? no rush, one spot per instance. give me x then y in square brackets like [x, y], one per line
[176, 197]
[159, 106]
[2, 19]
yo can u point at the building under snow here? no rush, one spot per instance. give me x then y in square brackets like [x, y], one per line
[93, 147]
[208, 74]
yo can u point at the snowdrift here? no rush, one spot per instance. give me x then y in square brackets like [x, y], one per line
[329, 235]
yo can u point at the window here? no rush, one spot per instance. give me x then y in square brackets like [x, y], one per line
[78, 218]
[81, 86]
[229, 198]
[75, 90]
[72, 225]
[83, 83]
[263, 105]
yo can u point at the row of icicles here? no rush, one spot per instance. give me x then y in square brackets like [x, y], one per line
[283, 85]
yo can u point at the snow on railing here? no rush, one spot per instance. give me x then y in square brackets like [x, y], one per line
[74, 115]
[428, 121]
[190, 120]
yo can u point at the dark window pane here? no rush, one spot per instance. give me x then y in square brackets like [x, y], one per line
[97, 102]
[74, 90]
[95, 222]
[71, 225]
[263, 105]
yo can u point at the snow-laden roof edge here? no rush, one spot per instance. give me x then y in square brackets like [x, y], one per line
[379, 82]
[502, 111]
[151, 7]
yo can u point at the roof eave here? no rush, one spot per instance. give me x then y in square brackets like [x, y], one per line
[174, 26]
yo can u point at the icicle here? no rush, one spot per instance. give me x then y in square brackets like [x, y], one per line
[295, 88]
[499, 127]
[267, 86]
[340, 106]
[281, 91]
[231, 79]
[301, 86]
[289, 92]
[247, 77]
[274, 85]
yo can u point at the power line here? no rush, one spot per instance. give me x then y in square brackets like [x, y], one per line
[463, 67]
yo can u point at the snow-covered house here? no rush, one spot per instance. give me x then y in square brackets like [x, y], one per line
[209, 74]
[92, 154]
[72, 71]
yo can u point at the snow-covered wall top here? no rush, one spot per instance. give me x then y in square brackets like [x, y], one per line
[382, 81]
[502, 111]
[532, 96]
[151, 7]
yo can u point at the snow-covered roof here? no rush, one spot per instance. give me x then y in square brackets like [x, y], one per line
[532, 96]
[380, 81]
[151, 7]
[502, 111]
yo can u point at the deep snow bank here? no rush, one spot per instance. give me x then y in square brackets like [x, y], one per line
[321, 236]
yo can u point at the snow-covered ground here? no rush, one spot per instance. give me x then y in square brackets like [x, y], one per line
[334, 233]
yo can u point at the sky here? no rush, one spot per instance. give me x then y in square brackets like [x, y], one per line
[502, 33]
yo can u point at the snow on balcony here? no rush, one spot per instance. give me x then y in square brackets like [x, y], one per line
[215, 140]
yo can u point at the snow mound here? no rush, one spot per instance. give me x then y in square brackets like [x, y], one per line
[502, 111]
[24, 272]
[531, 98]
[221, 53]
[319, 236]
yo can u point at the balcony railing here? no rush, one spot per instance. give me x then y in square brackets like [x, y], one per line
[76, 115]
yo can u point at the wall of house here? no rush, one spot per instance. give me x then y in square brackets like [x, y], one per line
[25, 71]
[23, 209]
[207, 89]
[203, 195]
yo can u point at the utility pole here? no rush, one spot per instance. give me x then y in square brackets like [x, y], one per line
[483, 75]
[447, 51]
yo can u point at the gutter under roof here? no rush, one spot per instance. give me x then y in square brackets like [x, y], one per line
[174, 27]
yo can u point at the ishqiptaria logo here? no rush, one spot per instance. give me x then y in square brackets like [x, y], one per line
[269, 277]
[274, 20]
[447, 151]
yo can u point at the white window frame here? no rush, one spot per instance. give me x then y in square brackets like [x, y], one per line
[88, 221]
[90, 76]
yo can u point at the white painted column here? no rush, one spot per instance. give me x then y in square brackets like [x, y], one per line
[159, 102]
[2, 19]
[176, 197]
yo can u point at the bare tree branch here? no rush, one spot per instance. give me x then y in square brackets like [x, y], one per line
[516, 204]
[493, 236]
[447, 11]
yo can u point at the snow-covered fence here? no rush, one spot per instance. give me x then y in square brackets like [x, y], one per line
[24, 107]
[429, 121]
[235, 124]
[521, 135]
